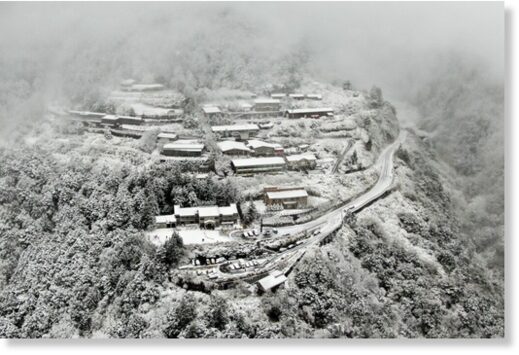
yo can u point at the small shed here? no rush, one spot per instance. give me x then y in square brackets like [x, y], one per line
[273, 280]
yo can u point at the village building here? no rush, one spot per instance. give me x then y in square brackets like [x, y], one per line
[288, 197]
[258, 165]
[207, 216]
[141, 87]
[265, 125]
[301, 161]
[267, 105]
[166, 221]
[273, 280]
[278, 96]
[183, 149]
[245, 107]
[244, 131]
[212, 111]
[234, 148]
[297, 96]
[87, 114]
[166, 137]
[314, 96]
[309, 112]
[148, 111]
[261, 148]
[115, 120]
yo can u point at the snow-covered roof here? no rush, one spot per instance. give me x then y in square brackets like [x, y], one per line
[110, 117]
[311, 110]
[166, 135]
[211, 109]
[299, 157]
[237, 127]
[266, 125]
[255, 143]
[186, 211]
[141, 109]
[231, 145]
[208, 211]
[186, 146]
[143, 87]
[298, 96]
[258, 162]
[132, 127]
[275, 278]
[170, 218]
[266, 101]
[278, 95]
[314, 96]
[228, 210]
[86, 113]
[280, 195]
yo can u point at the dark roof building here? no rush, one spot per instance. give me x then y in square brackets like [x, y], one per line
[309, 112]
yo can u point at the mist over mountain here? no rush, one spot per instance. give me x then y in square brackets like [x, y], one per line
[442, 78]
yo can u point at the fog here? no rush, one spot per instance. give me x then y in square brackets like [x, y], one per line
[392, 45]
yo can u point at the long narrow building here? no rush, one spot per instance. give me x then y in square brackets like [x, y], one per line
[258, 165]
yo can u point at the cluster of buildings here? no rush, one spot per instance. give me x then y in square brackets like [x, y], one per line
[272, 105]
[207, 217]
[252, 147]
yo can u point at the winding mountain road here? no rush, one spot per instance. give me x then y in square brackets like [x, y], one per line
[384, 183]
[326, 224]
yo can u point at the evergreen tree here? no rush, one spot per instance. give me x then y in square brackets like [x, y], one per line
[172, 250]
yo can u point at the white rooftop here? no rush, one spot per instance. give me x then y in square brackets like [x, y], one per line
[87, 113]
[255, 143]
[110, 117]
[297, 95]
[179, 145]
[258, 161]
[266, 101]
[279, 195]
[230, 145]
[211, 109]
[133, 127]
[275, 278]
[170, 218]
[139, 87]
[167, 135]
[237, 127]
[141, 109]
[228, 210]
[311, 110]
[299, 157]
[206, 211]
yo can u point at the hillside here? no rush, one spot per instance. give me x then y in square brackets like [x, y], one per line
[75, 261]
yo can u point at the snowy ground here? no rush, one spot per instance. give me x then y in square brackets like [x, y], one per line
[189, 236]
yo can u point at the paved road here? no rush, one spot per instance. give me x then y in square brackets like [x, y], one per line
[385, 180]
[327, 223]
